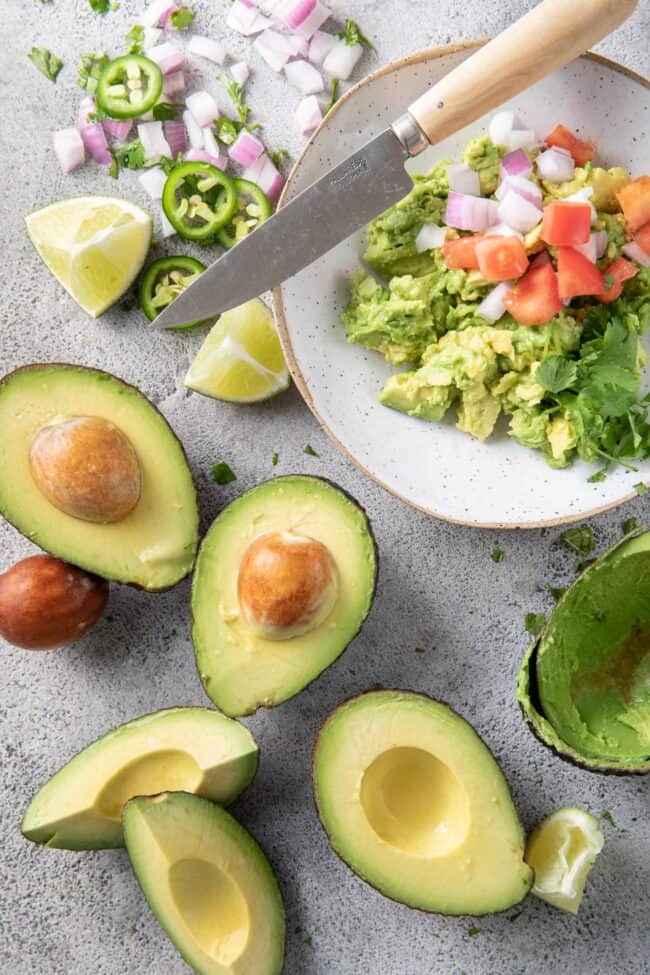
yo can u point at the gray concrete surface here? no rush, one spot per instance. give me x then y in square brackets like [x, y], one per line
[73, 914]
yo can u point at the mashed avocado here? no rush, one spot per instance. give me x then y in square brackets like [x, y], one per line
[568, 388]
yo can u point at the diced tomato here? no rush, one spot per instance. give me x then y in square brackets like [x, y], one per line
[620, 271]
[566, 223]
[634, 199]
[577, 275]
[461, 252]
[642, 238]
[535, 299]
[501, 258]
[564, 138]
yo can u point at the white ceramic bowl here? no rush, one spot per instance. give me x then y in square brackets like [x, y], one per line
[434, 466]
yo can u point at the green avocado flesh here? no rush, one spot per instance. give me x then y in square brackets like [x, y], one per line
[241, 670]
[415, 803]
[193, 749]
[592, 661]
[154, 545]
[208, 883]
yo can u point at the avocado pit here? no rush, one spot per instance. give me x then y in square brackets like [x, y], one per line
[287, 585]
[86, 467]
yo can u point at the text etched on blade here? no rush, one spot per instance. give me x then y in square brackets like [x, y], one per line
[357, 167]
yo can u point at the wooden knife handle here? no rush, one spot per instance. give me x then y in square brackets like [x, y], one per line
[551, 35]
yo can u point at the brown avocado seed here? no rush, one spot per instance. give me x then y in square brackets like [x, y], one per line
[287, 585]
[86, 467]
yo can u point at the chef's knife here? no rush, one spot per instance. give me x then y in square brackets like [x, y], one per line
[372, 179]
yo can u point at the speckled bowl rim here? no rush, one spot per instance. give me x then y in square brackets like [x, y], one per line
[428, 54]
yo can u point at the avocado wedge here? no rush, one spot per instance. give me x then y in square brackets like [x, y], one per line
[414, 802]
[93, 474]
[194, 749]
[584, 684]
[284, 579]
[208, 883]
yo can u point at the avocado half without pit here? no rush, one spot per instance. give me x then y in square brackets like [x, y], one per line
[284, 579]
[414, 802]
[93, 474]
[584, 684]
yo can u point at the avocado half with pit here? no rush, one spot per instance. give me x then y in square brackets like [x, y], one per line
[584, 684]
[414, 802]
[284, 579]
[93, 474]
[190, 749]
[208, 883]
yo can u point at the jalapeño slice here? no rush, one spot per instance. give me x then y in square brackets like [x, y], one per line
[253, 208]
[198, 199]
[129, 86]
[164, 280]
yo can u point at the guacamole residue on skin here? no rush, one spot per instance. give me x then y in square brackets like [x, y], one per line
[421, 315]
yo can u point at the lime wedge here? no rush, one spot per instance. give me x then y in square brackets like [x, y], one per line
[241, 360]
[94, 245]
[561, 851]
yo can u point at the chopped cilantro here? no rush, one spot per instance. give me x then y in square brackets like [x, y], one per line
[609, 280]
[309, 941]
[100, 6]
[236, 92]
[308, 449]
[557, 592]
[275, 457]
[597, 477]
[497, 555]
[227, 130]
[420, 650]
[607, 816]
[641, 489]
[222, 473]
[46, 62]
[129, 156]
[90, 69]
[629, 525]
[165, 111]
[581, 539]
[334, 94]
[534, 623]
[277, 156]
[181, 18]
[134, 39]
[556, 373]
[473, 932]
[352, 35]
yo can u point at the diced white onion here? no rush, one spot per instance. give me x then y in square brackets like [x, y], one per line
[206, 47]
[636, 253]
[463, 179]
[320, 46]
[240, 72]
[555, 165]
[430, 236]
[342, 60]
[194, 130]
[304, 76]
[210, 143]
[69, 149]
[519, 213]
[503, 230]
[522, 139]
[246, 20]
[308, 115]
[492, 307]
[274, 49]
[152, 181]
[167, 56]
[153, 140]
[203, 107]
[500, 127]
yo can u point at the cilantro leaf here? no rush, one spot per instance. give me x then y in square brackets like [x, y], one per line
[473, 932]
[277, 156]
[181, 18]
[557, 592]
[129, 156]
[222, 473]
[497, 555]
[334, 94]
[534, 623]
[46, 62]
[236, 92]
[641, 489]
[308, 449]
[420, 650]
[629, 525]
[352, 35]
[607, 816]
[134, 39]
[100, 6]
[581, 539]
[275, 457]
[165, 112]
[90, 69]
[556, 373]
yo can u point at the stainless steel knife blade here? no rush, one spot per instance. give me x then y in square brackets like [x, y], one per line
[328, 211]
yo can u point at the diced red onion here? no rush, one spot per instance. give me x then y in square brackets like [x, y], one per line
[153, 140]
[176, 137]
[240, 72]
[503, 230]
[342, 60]
[274, 49]
[167, 56]
[206, 47]
[500, 127]
[463, 179]
[595, 247]
[301, 16]
[304, 76]
[583, 195]
[152, 181]
[152, 16]
[466, 212]
[210, 143]
[119, 130]
[200, 155]
[429, 237]
[516, 163]
[264, 173]
[519, 213]
[166, 229]
[314, 21]
[151, 37]
[308, 115]
[203, 107]
[636, 253]
[522, 139]
[69, 149]
[246, 149]
[524, 188]
[555, 165]
[92, 134]
[320, 46]
[173, 84]
[492, 307]
[194, 130]
[246, 20]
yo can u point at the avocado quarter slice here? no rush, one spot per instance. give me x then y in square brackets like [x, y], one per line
[208, 883]
[242, 670]
[154, 546]
[414, 802]
[194, 749]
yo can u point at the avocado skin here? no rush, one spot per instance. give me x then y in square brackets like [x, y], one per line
[437, 700]
[531, 708]
[371, 535]
[93, 371]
